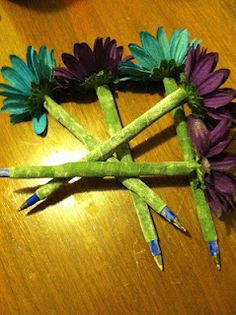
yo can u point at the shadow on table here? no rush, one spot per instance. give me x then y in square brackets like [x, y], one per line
[44, 5]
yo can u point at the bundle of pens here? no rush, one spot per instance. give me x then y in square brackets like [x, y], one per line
[188, 74]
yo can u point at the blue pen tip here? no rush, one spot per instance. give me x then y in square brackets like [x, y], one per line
[29, 202]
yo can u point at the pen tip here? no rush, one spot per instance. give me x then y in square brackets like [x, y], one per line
[179, 225]
[23, 206]
[159, 262]
[217, 261]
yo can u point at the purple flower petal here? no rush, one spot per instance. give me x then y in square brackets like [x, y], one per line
[190, 60]
[213, 201]
[218, 148]
[202, 69]
[219, 98]
[213, 81]
[222, 183]
[226, 112]
[74, 66]
[220, 132]
[64, 73]
[223, 162]
[99, 53]
[199, 134]
[85, 56]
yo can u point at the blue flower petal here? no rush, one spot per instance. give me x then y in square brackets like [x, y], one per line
[15, 80]
[151, 46]
[23, 70]
[39, 122]
[143, 59]
[164, 44]
[45, 62]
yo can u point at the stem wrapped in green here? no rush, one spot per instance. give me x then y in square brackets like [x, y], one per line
[203, 210]
[126, 134]
[102, 169]
[113, 122]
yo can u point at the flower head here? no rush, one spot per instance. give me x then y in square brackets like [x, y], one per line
[203, 82]
[210, 146]
[28, 84]
[89, 68]
[157, 58]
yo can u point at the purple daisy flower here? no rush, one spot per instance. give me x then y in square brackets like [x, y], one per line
[210, 146]
[203, 82]
[89, 68]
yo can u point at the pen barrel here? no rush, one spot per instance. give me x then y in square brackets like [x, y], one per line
[102, 169]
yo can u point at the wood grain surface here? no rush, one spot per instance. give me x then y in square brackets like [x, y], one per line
[82, 250]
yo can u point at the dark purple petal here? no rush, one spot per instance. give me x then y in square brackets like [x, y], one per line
[202, 69]
[226, 112]
[223, 162]
[218, 148]
[64, 73]
[99, 53]
[219, 98]
[74, 66]
[85, 56]
[190, 61]
[222, 183]
[214, 80]
[220, 132]
[213, 201]
[199, 134]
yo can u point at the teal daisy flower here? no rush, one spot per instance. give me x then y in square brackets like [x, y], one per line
[28, 83]
[157, 58]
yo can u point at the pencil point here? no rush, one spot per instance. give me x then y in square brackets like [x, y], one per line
[217, 262]
[176, 222]
[159, 261]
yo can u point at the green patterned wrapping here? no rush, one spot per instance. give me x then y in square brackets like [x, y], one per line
[203, 210]
[126, 134]
[113, 122]
[102, 169]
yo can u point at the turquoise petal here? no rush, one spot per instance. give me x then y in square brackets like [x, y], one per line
[143, 59]
[15, 80]
[23, 70]
[151, 46]
[133, 70]
[8, 90]
[31, 63]
[181, 47]
[39, 122]
[19, 118]
[14, 106]
[173, 43]
[163, 42]
[45, 62]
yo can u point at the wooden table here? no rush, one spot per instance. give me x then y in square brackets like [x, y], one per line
[82, 250]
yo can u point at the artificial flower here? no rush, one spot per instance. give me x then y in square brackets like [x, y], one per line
[210, 148]
[157, 58]
[203, 82]
[28, 84]
[88, 68]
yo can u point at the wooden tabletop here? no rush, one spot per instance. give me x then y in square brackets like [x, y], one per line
[82, 250]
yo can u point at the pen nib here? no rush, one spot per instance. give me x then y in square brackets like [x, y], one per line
[217, 261]
[159, 262]
[179, 225]
[23, 206]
